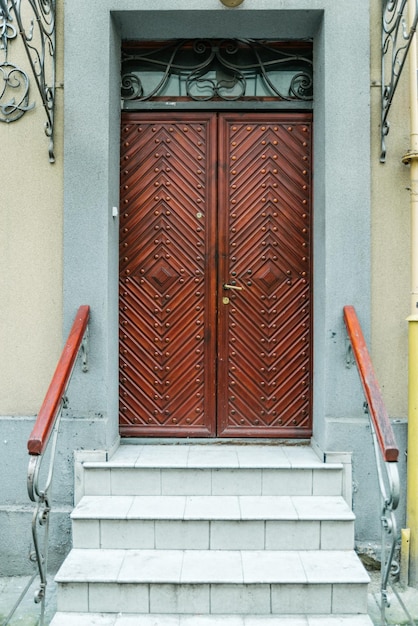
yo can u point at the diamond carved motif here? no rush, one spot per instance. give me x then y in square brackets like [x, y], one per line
[162, 275]
[269, 275]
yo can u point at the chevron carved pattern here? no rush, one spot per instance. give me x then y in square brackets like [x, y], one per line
[210, 199]
[165, 354]
[267, 333]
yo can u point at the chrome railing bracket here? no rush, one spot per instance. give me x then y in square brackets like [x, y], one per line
[85, 351]
[349, 356]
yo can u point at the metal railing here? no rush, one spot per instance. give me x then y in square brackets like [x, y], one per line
[42, 445]
[386, 453]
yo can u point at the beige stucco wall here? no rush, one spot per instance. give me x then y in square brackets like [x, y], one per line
[390, 235]
[31, 246]
[30, 250]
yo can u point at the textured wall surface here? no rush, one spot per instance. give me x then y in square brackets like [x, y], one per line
[31, 208]
[390, 236]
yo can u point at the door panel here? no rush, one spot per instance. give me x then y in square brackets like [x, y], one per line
[264, 212]
[212, 200]
[167, 321]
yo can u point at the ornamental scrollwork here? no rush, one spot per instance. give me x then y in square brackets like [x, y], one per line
[14, 81]
[34, 21]
[397, 34]
[212, 69]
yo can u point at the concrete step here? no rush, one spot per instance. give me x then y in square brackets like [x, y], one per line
[101, 619]
[212, 470]
[235, 534]
[214, 522]
[213, 582]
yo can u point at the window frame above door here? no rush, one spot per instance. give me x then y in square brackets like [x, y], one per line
[217, 74]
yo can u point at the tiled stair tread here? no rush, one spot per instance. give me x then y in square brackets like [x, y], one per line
[106, 619]
[214, 508]
[206, 456]
[227, 557]
[213, 567]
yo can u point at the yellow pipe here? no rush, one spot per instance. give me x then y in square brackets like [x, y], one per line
[404, 573]
[412, 481]
[412, 158]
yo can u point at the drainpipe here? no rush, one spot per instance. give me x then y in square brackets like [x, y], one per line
[411, 158]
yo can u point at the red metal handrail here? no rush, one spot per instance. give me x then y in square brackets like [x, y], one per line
[51, 405]
[377, 409]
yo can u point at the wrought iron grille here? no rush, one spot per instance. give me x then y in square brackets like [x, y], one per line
[14, 81]
[217, 70]
[34, 21]
[397, 34]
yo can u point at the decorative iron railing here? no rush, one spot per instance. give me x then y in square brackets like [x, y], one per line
[386, 453]
[42, 445]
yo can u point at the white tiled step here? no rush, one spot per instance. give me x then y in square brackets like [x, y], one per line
[214, 522]
[101, 619]
[216, 455]
[216, 582]
[216, 470]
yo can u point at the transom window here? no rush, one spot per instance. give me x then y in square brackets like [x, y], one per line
[217, 70]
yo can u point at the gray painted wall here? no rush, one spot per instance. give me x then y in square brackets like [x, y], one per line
[93, 32]
[341, 172]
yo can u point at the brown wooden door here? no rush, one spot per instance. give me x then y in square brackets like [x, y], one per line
[215, 275]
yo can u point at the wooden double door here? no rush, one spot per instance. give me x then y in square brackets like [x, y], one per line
[215, 275]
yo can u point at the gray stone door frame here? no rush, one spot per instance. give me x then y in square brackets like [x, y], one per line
[93, 34]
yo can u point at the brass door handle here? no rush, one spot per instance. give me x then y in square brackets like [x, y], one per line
[226, 286]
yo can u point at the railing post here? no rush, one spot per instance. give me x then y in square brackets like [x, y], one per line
[45, 434]
[386, 453]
